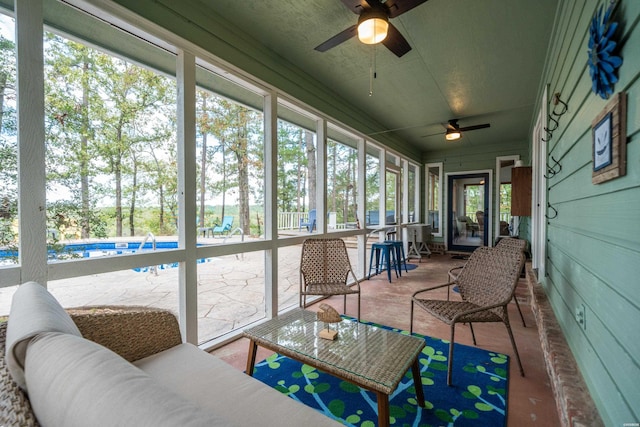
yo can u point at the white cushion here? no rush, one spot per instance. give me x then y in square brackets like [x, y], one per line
[76, 382]
[214, 384]
[33, 311]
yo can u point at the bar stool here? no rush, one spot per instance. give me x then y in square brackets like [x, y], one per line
[398, 247]
[385, 255]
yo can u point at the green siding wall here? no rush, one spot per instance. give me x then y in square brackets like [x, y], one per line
[593, 250]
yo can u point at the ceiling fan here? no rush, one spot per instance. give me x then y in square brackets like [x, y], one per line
[454, 131]
[373, 24]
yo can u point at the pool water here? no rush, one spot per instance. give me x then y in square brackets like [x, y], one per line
[101, 249]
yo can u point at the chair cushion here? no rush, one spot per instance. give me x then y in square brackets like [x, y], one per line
[33, 311]
[76, 382]
[212, 383]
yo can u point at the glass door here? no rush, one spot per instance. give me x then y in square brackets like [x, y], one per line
[392, 213]
[468, 198]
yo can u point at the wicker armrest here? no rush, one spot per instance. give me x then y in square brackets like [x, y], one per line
[431, 288]
[15, 409]
[132, 332]
[453, 273]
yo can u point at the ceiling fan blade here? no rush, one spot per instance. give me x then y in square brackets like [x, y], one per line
[452, 125]
[468, 128]
[433, 134]
[338, 38]
[356, 6]
[396, 42]
[398, 7]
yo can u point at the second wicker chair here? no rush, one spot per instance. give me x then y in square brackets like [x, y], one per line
[487, 283]
[325, 270]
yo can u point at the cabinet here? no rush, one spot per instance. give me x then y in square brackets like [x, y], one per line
[521, 191]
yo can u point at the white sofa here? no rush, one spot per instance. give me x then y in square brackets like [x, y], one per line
[123, 366]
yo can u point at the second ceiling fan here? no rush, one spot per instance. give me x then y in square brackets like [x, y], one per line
[373, 24]
[454, 131]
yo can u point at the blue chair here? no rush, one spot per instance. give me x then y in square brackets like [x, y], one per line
[385, 255]
[398, 246]
[225, 227]
[310, 223]
[373, 217]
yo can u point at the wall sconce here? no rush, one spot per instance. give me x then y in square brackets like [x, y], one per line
[373, 26]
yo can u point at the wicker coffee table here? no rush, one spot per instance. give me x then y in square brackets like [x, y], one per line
[372, 358]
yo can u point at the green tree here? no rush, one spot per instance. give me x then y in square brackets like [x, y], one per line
[137, 101]
[292, 167]
[70, 111]
[239, 136]
[8, 143]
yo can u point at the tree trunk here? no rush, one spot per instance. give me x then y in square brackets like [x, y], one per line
[3, 88]
[243, 174]
[132, 206]
[203, 166]
[300, 180]
[311, 169]
[84, 157]
[117, 167]
[118, 179]
[224, 171]
[334, 186]
[161, 226]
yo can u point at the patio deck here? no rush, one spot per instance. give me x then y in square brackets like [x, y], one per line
[231, 293]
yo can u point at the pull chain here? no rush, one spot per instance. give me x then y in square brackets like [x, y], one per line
[372, 70]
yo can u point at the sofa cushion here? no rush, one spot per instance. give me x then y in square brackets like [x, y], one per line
[76, 382]
[214, 384]
[33, 311]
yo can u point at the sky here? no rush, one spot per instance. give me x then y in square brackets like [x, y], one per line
[6, 27]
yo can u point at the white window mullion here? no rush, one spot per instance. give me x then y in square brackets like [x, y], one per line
[31, 141]
[362, 206]
[187, 237]
[321, 176]
[271, 203]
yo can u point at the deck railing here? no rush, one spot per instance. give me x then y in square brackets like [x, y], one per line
[291, 220]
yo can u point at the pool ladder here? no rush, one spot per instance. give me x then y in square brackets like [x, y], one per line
[239, 231]
[151, 236]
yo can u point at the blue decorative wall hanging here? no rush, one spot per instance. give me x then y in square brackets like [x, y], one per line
[602, 62]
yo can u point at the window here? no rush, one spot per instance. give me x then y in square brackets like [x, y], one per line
[342, 189]
[297, 171]
[230, 159]
[117, 181]
[434, 196]
[372, 206]
[9, 237]
[110, 143]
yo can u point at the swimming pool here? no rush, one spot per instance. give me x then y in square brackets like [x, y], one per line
[102, 249]
[99, 249]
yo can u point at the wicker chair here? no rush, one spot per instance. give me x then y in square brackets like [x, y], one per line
[506, 244]
[487, 283]
[325, 270]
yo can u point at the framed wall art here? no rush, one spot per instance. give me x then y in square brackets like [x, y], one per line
[609, 133]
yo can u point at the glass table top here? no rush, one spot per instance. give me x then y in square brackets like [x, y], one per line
[365, 354]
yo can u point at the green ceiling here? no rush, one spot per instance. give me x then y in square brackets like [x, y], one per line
[478, 61]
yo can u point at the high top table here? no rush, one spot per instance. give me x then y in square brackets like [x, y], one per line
[373, 358]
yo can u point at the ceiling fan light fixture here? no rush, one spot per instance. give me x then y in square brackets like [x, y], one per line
[452, 135]
[373, 27]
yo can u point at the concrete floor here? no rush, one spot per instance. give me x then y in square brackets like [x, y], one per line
[531, 401]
